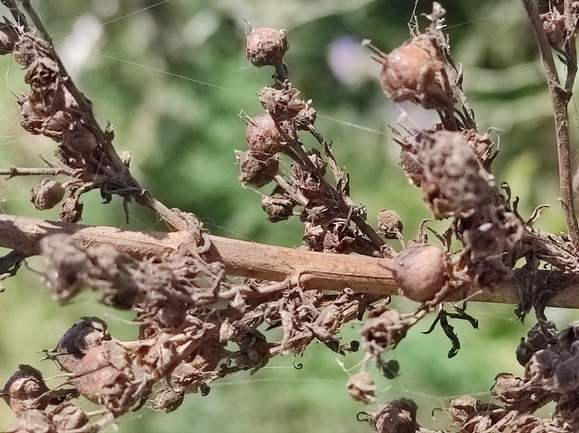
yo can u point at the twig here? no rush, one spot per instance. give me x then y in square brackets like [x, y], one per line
[313, 270]
[25, 171]
[560, 97]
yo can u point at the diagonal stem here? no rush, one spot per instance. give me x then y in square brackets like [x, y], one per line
[560, 97]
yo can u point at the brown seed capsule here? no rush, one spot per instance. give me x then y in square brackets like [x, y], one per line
[266, 46]
[420, 271]
[263, 135]
[47, 194]
[413, 72]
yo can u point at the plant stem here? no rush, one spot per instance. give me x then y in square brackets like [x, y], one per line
[560, 97]
[310, 269]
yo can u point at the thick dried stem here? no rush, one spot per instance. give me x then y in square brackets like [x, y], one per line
[313, 270]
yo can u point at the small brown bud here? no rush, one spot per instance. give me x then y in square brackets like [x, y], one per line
[266, 46]
[47, 194]
[421, 271]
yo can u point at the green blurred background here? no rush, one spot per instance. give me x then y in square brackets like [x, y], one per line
[172, 77]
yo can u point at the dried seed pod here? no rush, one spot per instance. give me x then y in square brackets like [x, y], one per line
[413, 72]
[389, 223]
[266, 46]
[278, 207]
[47, 194]
[24, 389]
[256, 171]
[264, 136]
[361, 387]
[421, 271]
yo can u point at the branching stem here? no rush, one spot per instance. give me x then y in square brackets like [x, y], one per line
[560, 97]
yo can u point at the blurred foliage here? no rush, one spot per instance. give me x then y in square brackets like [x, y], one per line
[171, 76]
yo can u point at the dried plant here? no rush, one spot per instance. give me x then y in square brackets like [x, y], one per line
[198, 325]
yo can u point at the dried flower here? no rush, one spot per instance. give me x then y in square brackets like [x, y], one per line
[71, 210]
[398, 416]
[382, 330]
[389, 223]
[257, 169]
[361, 387]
